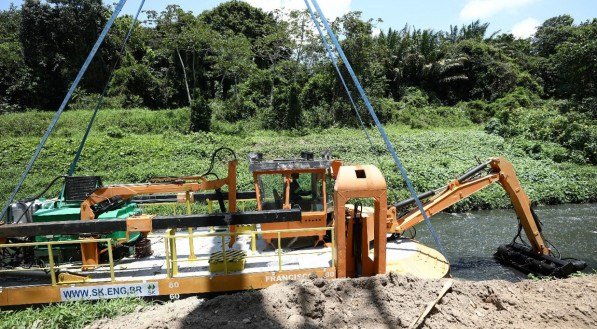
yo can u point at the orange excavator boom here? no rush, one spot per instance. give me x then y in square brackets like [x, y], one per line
[500, 171]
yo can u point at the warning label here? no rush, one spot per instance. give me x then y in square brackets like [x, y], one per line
[109, 291]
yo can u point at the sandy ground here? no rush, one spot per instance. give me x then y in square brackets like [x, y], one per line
[386, 301]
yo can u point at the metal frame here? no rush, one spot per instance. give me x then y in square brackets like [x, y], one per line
[52, 266]
[171, 285]
[309, 219]
[172, 259]
[157, 222]
[502, 172]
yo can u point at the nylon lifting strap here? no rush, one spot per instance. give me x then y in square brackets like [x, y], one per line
[68, 96]
[73, 165]
[376, 120]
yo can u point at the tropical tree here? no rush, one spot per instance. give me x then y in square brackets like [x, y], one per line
[56, 37]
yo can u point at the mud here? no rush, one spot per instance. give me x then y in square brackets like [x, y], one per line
[385, 301]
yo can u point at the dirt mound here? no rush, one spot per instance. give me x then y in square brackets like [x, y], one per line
[386, 301]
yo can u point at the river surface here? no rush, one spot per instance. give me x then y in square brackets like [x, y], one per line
[470, 239]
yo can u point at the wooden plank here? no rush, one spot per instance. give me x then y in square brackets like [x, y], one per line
[418, 321]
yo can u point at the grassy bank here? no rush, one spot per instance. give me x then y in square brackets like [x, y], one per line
[134, 145]
[68, 315]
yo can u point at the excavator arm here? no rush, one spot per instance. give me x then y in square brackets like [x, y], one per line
[500, 171]
[181, 185]
[536, 258]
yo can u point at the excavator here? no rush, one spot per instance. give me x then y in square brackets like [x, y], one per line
[308, 218]
[312, 218]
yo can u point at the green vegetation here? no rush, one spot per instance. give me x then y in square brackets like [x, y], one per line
[120, 151]
[237, 67]
[68, 315]
[261, 82]
[258, 81]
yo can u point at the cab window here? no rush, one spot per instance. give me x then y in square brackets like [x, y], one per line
[306, 191]
[272, 191]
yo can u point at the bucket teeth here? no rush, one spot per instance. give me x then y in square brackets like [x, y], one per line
[524, 259]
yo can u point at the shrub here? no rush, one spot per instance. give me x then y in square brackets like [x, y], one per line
[519, 97]
[478, 111]
[88, 101]
[132, 121]
[286, 110]
[115, 132]
[386, 108]
[318, 117]
[432, 116]
[200, 115]
[573, 130]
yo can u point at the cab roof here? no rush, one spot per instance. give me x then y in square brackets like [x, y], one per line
[260, 166]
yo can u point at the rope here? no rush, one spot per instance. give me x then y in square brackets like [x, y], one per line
[335, 63]
[73, 165]
[68, 96]
[378, 124]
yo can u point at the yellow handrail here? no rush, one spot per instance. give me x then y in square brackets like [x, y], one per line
[173, 261]
[214, 234]
[50, 244]
[171, 256]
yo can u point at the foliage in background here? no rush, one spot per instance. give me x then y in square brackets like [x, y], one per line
[217, 52]
[248, 76]
[250, 69]
[200, 115]
[570, 124]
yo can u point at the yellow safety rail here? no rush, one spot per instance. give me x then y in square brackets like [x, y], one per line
[52, 266]
[172, 259]
[188, 205]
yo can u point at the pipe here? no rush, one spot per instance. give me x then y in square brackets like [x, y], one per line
[410, 201]
[472, 172]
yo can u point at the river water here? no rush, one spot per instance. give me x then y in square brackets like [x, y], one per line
[470, 239]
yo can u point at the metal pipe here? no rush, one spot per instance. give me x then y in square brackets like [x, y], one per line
[473, 171]
[224, 255]
[279, 252]
[111, 261]
[412, 200]
[158, 222]
[468, 174]
[197, 197]
[51, 261]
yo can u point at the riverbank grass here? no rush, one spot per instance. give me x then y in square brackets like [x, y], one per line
[134, 145]
[69, 314]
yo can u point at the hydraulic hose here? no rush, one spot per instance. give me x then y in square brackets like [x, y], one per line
[473, 171]
[39, 195]
[464, 177]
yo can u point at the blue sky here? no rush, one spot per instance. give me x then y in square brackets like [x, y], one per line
[517, 16]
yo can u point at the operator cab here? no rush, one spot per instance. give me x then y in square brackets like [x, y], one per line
[302, 183]
[305, 191]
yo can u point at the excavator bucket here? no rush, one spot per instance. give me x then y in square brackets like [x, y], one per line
[524, 259]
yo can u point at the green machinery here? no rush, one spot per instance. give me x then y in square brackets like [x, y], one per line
[71, 212]
[68, 208]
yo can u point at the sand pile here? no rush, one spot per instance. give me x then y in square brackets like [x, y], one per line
[386, 301]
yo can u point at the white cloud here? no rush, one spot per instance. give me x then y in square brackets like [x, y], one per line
[525, 28]
[481, 9]
[376, 31]
[331, 8]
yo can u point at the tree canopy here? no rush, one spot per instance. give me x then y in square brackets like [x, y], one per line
[244, 63]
